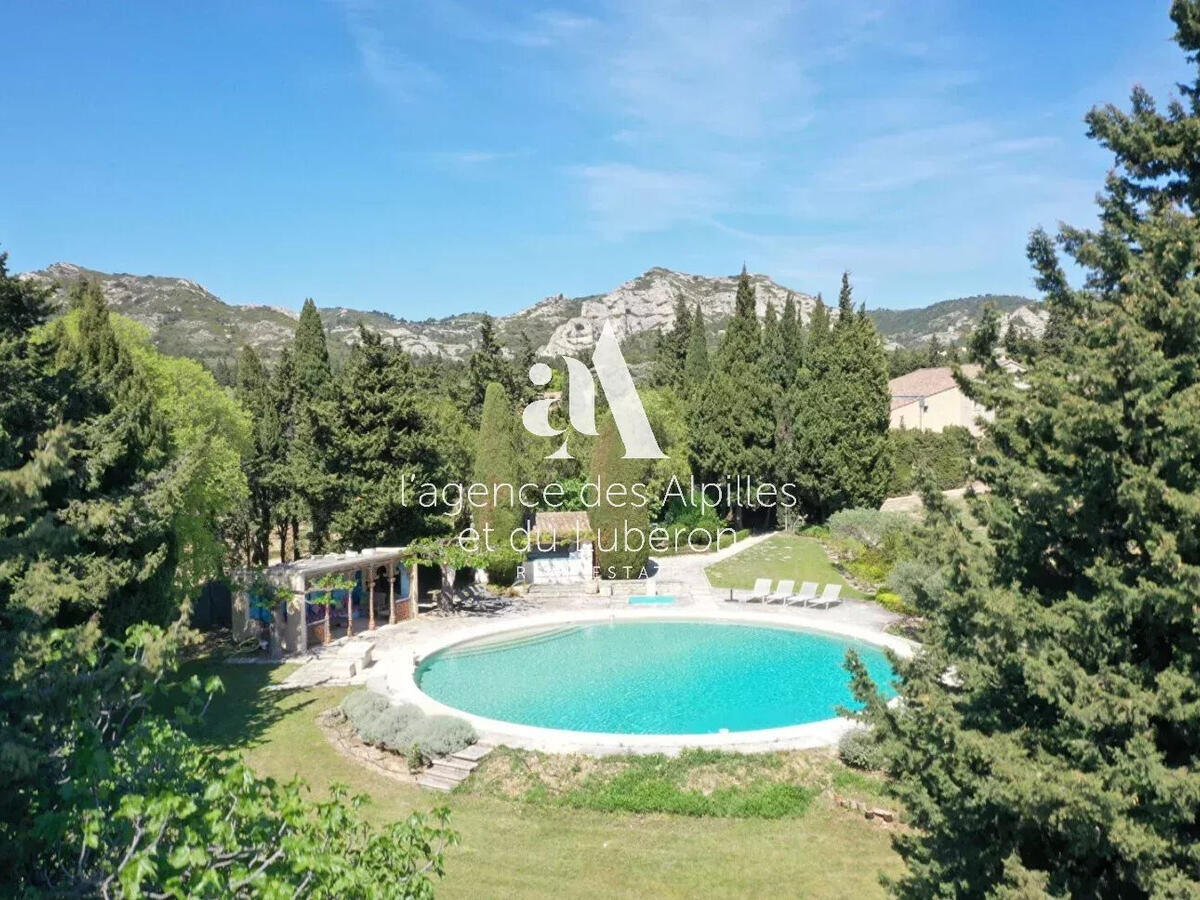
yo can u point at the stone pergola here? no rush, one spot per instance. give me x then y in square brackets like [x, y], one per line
[290, 625]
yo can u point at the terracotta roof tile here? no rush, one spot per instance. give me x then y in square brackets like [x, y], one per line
[925, 383]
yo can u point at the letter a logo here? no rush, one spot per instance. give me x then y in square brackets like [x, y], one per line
[617, 384]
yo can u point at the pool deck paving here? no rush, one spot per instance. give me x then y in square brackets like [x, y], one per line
[396, 650]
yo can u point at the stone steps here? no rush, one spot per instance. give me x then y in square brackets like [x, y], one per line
[448, 772]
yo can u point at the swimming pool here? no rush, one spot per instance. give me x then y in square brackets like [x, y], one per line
[651, 677]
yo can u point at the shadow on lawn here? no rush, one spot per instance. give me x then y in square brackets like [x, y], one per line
[240, 716]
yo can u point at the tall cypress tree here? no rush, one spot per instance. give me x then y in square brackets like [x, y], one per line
[621, 529]
[775, 364]
[671, 348]
[1061, 758]
[817, 332]
[288, 508]
[791, 330]
[310, 353]
[496, 461]
[735, 422]
[311, 441]
[695, 363]
[256, 394]
[832, 440]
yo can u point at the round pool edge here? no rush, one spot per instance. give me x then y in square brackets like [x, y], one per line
[401, 686]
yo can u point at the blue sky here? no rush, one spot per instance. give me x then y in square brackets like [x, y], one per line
[430, 158]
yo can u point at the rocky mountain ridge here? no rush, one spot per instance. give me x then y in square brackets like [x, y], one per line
[186, 319]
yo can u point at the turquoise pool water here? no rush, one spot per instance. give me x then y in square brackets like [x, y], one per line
[651, 677]
[651, 600]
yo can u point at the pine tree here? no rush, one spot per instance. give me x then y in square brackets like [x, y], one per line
[934, 352]
[487, 364]
[621, 529]
[735, 424]
[496, 466]
[381, 435]
[90, 490]
[986, 336]
[1061, 758]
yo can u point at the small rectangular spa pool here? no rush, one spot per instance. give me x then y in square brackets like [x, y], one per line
[651, 600]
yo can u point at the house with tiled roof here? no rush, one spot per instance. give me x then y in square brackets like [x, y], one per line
[931, 400]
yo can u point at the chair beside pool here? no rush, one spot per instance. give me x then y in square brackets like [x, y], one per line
[782, 591]
[830, 597]
[762, 587]
[808, 592]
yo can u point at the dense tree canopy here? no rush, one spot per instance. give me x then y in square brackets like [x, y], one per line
[832, 440]
[1061, 756]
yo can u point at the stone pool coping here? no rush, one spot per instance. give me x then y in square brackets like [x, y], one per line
[400, 683]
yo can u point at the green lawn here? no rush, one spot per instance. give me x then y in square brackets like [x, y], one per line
[778, 557]
[512, 848]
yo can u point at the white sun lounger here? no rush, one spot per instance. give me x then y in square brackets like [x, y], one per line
[831, 596]
[782, 591]
[808, 592]
[762, 587]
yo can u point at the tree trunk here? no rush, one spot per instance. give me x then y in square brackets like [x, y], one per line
[446, 601]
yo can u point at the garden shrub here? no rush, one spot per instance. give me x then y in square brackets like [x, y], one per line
[363, 706]
[946, 454]
[440, 735]
[859, 748]
[392, 728]
[871, 527]
[919, 584]
[501, 566]
[894, 602]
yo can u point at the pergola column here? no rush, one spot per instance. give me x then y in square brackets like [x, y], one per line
[413, 592]
[371, 602]
[391, 579]
[350, 610]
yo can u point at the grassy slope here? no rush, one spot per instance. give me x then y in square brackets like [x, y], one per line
[781, 556]
[515, 849]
